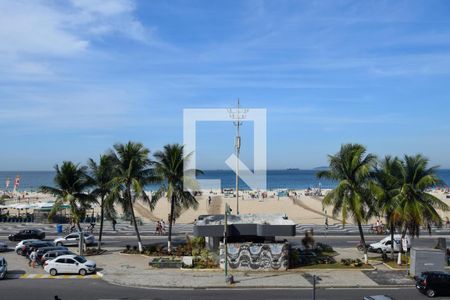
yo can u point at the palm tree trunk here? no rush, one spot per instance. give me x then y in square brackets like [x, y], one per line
[399, 260]
[100, 234]
[363, 241]
[172, 205]
[392, 240]
[81, 242]
[133, 218]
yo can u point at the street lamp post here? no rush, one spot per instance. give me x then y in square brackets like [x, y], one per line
[237, 115]
[225, 245]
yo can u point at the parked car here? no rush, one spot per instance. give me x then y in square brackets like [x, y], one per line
[385, 244]
[378, 297]
[50, 255]
[3, 267]
[3, 247]
[69, 264]
[20, 244]
[41, 251]
[36, 245]
[73, 239]
[433, 283]
[27, 234]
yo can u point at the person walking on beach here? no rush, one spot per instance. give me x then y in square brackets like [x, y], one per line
[209, 201]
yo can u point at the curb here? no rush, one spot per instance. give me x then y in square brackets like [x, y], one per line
[394, 269]
[48, 276]
[265, 287]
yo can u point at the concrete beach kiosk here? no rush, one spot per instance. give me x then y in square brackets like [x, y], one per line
[251, 239]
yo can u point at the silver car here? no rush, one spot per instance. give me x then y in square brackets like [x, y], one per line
[73, 239]
[54, 254]
[3, 267]
[18, 249]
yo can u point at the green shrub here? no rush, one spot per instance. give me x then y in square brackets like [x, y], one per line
[351, 262]
[294, 258]
[321, 247]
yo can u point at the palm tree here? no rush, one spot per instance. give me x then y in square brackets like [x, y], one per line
[351, 167]
[71, 183]
[132, 168]
[387, 176]
[169, 167]
[416, 205]
[102, 174]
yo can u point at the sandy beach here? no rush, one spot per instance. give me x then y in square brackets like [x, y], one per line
[301, 208]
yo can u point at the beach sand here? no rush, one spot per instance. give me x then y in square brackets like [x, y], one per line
[302, 209]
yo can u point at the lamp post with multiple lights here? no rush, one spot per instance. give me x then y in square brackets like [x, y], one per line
[237, 114]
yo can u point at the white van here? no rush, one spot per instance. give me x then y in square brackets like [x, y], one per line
[385, 244]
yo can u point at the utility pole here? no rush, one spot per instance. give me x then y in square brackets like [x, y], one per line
[237, 114]
[315, 279]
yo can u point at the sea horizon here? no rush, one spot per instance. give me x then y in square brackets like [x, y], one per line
[291, 178]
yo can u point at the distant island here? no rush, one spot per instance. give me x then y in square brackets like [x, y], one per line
[292, 169]
[321, 168]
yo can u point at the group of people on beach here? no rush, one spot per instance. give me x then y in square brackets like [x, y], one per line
[160, 227]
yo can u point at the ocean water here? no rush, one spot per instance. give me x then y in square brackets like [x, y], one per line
[276, 179]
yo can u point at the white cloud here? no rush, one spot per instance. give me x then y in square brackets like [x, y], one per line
[33, 28]
[32, 32]
[105, 7]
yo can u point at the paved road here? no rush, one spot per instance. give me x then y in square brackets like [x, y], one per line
[181, 229]
[97, 289]
[120, 240]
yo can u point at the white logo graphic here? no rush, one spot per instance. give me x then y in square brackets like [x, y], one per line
[255, 180]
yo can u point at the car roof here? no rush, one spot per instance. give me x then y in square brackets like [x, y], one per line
[53, 248]
[434, 273]
[68, 256]
[29, 241]
[59, 250]
[38, 242]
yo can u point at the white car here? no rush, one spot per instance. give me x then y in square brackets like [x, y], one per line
[18, 248]
[73, 239]
[69, 264]
[385, 244]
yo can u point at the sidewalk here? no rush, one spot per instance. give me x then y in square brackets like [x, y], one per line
[133, 270]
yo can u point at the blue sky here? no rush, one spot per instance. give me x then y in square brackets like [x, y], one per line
[77, 76]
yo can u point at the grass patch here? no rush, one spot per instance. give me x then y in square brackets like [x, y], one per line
[332, 253]
[393, 263]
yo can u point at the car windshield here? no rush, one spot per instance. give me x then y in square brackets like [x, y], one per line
[2, 262]
[422, 277]
[80, 259]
